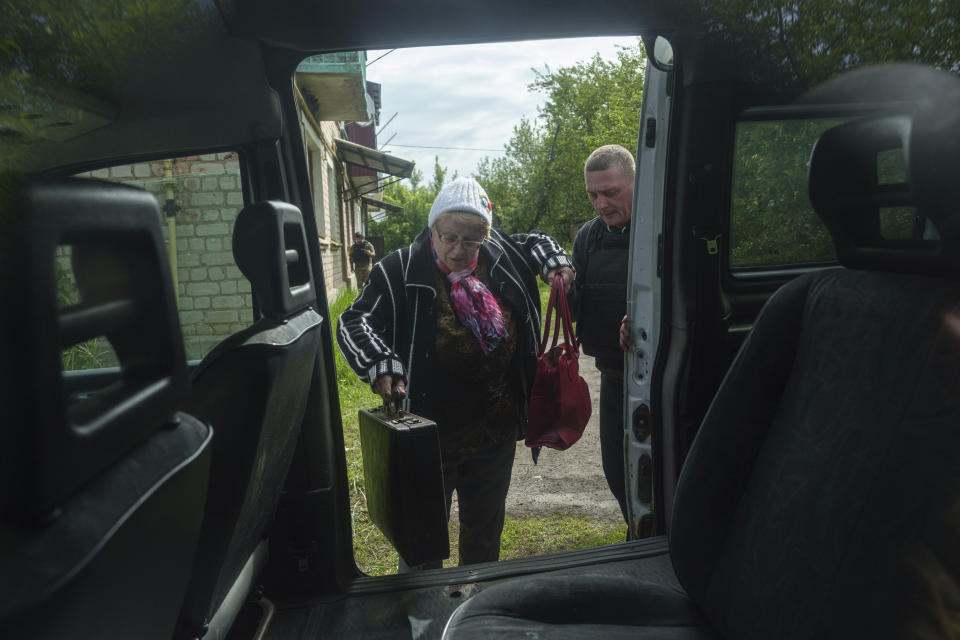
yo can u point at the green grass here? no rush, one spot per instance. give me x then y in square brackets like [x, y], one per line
[522, 537]
[373, 553]
[531, 536]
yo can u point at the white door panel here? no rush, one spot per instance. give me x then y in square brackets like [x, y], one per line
[643, 300]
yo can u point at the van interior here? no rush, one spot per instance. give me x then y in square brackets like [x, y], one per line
[793, 391]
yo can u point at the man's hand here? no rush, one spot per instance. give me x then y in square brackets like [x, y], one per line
[626, 340]
[385, 384]
[568, 277]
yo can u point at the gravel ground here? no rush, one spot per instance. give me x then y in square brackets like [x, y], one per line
[569, 482]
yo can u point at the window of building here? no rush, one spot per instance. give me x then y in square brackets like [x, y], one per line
[333, 199]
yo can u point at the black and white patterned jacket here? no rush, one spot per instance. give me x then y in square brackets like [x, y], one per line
[391, 326]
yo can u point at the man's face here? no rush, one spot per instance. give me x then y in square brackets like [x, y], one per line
[611, 194]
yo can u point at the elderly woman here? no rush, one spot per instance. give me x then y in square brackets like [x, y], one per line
[453, 321]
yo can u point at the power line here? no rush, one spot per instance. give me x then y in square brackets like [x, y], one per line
[387, 143]
[388, 123]
[381, 56]
[420, 146]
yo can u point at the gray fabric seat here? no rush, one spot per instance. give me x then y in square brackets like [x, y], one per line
[820, 496]
[102, 492]
[253, 389]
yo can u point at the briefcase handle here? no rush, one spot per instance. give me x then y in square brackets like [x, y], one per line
[392, 409]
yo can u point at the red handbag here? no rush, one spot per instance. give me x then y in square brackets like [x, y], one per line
[560, 400]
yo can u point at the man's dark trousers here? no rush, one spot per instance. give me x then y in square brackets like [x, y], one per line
[611, 436]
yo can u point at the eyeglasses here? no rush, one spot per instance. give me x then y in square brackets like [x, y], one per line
[451, 239]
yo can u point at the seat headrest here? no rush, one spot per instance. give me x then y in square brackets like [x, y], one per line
[110, 236]
[270, 247]
[906, 160]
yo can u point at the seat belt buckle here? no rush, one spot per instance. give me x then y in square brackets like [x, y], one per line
[708, 235]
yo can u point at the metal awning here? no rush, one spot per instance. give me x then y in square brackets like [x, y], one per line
[372, 159]
[380, 204]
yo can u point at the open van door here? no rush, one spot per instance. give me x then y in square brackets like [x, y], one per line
[644, 309]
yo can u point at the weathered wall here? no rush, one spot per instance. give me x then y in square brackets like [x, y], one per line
[327, 191]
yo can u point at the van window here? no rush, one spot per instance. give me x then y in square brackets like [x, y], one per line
[199, 198]
[772, 223]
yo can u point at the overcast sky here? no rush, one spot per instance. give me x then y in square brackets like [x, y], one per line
[466, 96]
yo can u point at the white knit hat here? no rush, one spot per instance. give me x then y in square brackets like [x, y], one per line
[464, 195]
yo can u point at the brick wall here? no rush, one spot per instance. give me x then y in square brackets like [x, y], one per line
[213, 296]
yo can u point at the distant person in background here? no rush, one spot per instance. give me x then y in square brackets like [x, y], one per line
[598, 300]
[453, 321]
[361, 255]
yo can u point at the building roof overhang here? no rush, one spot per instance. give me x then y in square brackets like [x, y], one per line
[380, 204]
[379, 161]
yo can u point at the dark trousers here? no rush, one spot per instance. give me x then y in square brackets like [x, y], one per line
[481, 481]
[611, 437]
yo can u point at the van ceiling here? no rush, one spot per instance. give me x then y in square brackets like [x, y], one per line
[196, 77]
[315, 25]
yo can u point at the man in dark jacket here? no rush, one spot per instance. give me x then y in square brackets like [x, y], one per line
[599, 294]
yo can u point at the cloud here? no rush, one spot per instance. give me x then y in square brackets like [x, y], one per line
[467, 96]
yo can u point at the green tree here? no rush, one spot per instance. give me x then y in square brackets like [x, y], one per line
[809, 41]
[538, 182]
[400, 228]
[74, 44]
[63, 57]
[771, 219]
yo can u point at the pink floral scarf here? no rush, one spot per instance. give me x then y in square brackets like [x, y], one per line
[475, 306]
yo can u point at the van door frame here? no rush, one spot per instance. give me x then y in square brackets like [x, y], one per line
[644, 294]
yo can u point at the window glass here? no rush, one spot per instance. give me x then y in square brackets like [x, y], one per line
[333, 200]
[333, 193]
[772, 222]
[316, 170]
[199, 198]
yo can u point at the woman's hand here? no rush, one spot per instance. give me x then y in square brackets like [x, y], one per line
[385, 384]
[568, 277]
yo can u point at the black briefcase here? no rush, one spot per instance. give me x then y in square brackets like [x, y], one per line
[403, 480]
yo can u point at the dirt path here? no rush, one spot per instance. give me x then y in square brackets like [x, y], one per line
[569, 482]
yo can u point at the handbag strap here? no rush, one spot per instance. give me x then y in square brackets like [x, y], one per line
[547, 320]
[558, 301]
[563, 310]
